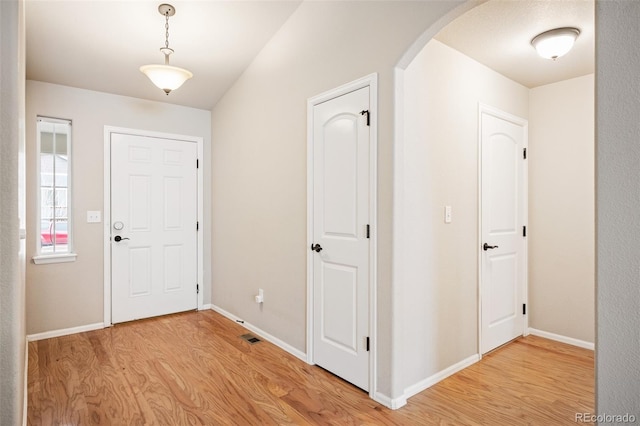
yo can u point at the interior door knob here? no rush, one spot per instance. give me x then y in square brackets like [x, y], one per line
[316, 247]
[487, 247]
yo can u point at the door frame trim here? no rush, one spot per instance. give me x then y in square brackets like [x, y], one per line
[108, 131]
[370, 81]
[484, 108]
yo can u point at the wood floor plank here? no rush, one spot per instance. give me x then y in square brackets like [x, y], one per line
[33, 385]
[194, 369]
[107, 393]
[60, 379]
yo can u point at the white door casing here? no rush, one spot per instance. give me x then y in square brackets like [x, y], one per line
[154, 196]
[340, 222]
[503, 215]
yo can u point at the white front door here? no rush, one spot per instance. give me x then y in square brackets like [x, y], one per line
[340, 236]
[503, 243]
[153, 226]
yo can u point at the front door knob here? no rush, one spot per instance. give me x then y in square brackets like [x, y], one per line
[487, 247]
[118, 238]
[316, 247]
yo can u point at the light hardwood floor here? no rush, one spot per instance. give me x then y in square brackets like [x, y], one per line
[193, 369]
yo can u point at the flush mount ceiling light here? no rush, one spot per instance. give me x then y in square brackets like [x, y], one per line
[166, 77]
[555, 43]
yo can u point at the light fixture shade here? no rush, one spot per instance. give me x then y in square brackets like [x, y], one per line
[555, 43]
[166, 77]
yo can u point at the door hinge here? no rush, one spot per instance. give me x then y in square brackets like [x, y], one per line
[197, 288]
[197, 226]
[368, 231]
[524, 231]
[366, 111]
[524, 153]
[368, 343]
[197, 163]
[524, 309]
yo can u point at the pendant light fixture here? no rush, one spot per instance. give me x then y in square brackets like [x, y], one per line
[555, 43]
[166, 77]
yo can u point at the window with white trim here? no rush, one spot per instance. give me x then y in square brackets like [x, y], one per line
[54, 191]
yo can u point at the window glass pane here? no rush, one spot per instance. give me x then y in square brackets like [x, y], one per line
[54, 186]
[60, 159]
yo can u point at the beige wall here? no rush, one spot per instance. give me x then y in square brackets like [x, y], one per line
[259, 158]
[562, 208]
[66, 295]
[437, 165]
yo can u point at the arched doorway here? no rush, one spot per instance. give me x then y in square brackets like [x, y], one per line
[435, 166]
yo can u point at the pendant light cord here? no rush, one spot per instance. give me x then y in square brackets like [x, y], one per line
[166, 39]
[166, 27]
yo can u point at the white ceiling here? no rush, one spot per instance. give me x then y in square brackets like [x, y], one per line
[100, 44]
[498, 34]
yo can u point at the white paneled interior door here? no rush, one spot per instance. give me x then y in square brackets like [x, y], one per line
[503, 242]
[153, 226]
[340, 241]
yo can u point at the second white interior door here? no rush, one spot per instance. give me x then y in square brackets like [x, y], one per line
[503, 243]
[340, 219]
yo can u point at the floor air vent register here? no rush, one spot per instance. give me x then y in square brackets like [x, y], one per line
[250, 338]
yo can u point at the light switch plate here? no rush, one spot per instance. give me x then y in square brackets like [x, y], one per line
[93, 216]
[447, 214]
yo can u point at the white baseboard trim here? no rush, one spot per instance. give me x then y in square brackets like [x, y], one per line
[64, 332]
[266, 336]
[562, 339]
[392, 403]
[439, 376]
[207, 307]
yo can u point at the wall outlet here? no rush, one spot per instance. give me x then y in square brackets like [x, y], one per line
[93, 216]
[260, 296]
